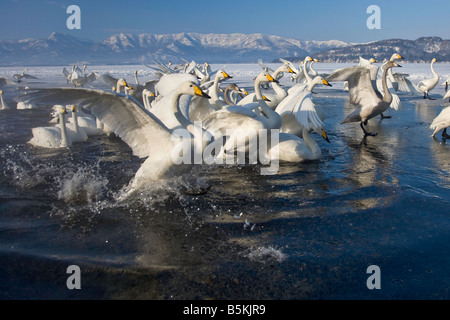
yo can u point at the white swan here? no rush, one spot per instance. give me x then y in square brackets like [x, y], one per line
[232, 93]
[20, 76]
[53, 136]
[75, 133]
[146, 135]
[81, 80]
[292, 148]
[312, 71]
[236, 121]
[4, 105]
[86, 125]
[273, 99]
[298, 111]
[302, 76]
[147, 98]
[425, 86]
[442, 121]
[362, 93]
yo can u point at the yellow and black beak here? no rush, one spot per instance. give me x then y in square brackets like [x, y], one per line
[200, 93]
[265, 98]
[325, 82]
[324, 135]
[291, 71]
[226, 75]
[74, 109]
[270, 78]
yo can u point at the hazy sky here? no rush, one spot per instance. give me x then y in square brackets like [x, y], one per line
[304, 20]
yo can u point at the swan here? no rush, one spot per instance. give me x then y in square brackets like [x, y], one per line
[302, 76]
[291, 148]
[147, 98]
[3, 106]
[75, 133]
[442, 121]
[445, 83]
[86, 124]
[81, 80]
[297, 110]
[425, 86]
[53, 136]
[396, 103]
[232, 92]
[273, 99]
[237, 121]
[145, 134]
[362, 93]
[213, 91]
[20, 76]
[311, 70]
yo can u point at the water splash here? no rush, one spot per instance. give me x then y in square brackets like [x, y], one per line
[266, 255]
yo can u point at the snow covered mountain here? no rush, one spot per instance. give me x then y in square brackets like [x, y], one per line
[62, 49]
[420, 50]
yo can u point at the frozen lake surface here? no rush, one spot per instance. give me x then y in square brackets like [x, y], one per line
[308, 232]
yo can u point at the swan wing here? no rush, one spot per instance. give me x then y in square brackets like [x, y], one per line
[109, 80]
[6, 81]
[292, 100]
[307, 114]
[142, 131]
[360, 86]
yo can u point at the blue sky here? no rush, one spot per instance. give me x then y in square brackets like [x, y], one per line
[305, 20]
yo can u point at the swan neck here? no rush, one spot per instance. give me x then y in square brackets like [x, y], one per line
[387, 94]
[3, 102]
[186, 123]
[226, 96]
[432, 69]
[75, 121]
[64, 140]
[311, 144]
[308, 78]
[272, 116]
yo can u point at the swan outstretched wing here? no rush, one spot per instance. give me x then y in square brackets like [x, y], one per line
[142, 131]
[307, 115]
[361, 90]
[109, 80]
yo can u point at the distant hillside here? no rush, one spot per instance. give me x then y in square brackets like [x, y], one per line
[122, 48]
[63, 49]
[421, 50]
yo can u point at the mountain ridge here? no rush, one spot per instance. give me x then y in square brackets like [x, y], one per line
[128, 48]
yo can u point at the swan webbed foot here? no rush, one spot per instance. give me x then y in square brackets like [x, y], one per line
[385, 117]
[370, 134]
[445, 135]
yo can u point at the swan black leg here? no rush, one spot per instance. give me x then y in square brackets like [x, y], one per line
[444, 134]
[362, 124]
[430, 98]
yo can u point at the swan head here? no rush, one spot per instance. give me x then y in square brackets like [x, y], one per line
[396, 56]
[316, 60]
[193, 89]
[372, 60]
[265, 77]
[434, 60]
[223, 75]
[308, 58]
[1, 92]
[391, 64]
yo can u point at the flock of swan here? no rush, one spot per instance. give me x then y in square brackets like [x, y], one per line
[186, 111]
